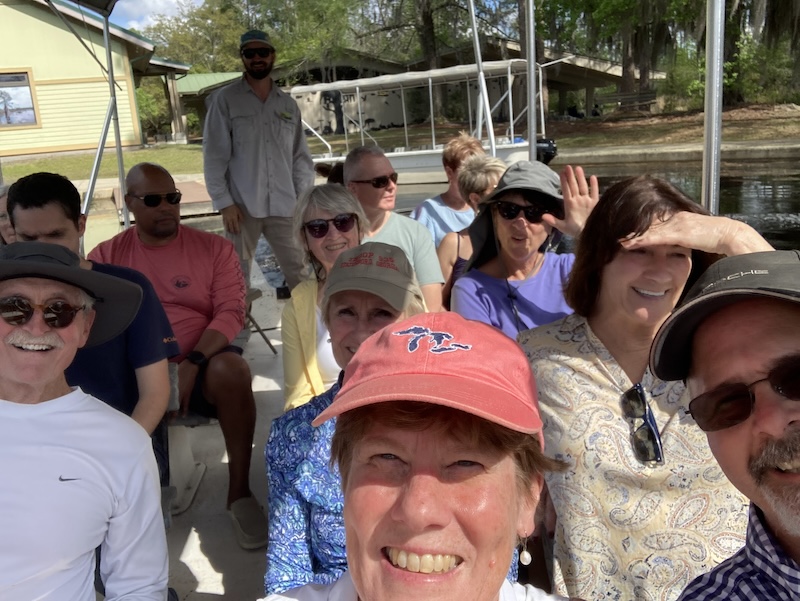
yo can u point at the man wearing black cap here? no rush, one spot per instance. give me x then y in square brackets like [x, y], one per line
[736, 341]
[256, 159]
[76, 474]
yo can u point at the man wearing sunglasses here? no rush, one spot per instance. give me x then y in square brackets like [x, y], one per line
[76, 474]
[198, 279]
[369, 175]
[256, 160]
[735, 339]
[129, 372]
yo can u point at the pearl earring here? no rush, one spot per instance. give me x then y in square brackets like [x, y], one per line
[524, 555]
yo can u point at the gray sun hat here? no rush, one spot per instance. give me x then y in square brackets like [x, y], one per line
[536, 182]
[770, 274]
[116, 300]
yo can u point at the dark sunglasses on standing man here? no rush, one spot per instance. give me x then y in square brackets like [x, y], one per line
[153, 200]
[731, 404]
[17, 311]
[318, 228]
[377, 182]
[645, 440]
[251, 53]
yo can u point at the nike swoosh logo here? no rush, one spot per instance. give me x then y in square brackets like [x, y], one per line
[63, 479]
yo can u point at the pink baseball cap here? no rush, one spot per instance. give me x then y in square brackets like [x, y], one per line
[444, 359]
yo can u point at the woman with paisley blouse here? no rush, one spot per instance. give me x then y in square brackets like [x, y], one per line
[369, 287]
[644, 507]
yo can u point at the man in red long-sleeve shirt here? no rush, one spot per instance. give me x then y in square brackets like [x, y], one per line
[199, 281]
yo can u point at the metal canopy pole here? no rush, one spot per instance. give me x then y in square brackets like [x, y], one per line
[360, 116]
[712, 136]
[405, 119]
[482, 80]
[115, 118]
[530, 39]
[433, 116]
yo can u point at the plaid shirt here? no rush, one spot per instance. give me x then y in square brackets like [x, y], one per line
[761, 570]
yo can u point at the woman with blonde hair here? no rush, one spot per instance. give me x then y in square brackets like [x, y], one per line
[327, 221]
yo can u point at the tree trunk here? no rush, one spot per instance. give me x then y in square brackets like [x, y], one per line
[427, 41]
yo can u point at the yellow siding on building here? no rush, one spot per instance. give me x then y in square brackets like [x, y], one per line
[71, 108]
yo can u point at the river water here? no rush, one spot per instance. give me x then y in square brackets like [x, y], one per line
[765, 195]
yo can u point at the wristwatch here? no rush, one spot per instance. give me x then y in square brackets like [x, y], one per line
[196, 357]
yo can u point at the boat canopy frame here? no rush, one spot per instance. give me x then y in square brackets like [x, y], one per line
[508, 69]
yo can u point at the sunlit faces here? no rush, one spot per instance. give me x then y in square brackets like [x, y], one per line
[760, 456]
[374, 200]
[353, 316]
[430, 517]
[518, 238]
[157, 223]
[644, 284]
[327, 248]
[35, 352]
[49, 224]
[258, 67]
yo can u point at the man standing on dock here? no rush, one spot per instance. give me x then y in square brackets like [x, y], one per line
[256, 160]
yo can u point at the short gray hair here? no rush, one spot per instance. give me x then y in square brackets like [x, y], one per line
[355, 156]
[331, 198]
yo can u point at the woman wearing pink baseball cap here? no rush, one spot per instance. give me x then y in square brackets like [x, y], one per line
[438, 444]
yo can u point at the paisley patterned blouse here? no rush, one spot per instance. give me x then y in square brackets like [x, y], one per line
[306, 529]
[625, 530]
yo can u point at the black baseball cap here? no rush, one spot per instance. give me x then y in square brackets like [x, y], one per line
[771, 274]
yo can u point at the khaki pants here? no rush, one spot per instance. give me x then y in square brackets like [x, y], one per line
[279, 234]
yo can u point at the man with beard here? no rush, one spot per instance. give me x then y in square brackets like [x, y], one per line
[197, 277]
[256, 160]
[736, 341]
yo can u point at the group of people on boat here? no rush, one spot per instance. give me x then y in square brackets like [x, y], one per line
[621, 421]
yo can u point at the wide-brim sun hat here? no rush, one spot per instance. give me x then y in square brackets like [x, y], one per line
[770, 274]
[116, 300]
[375, 267]
[534, 180]
[443, 359]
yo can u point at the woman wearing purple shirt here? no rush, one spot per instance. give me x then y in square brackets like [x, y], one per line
[512, 281]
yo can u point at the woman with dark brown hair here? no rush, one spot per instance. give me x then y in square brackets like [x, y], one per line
[644, 507]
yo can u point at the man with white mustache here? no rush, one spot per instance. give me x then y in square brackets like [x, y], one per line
[736, 341]
[77, 474]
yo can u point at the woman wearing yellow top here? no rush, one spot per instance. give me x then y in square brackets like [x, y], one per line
[327, 220]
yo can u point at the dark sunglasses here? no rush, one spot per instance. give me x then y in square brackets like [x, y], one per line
[377, 182]
[17, 311]
[250, 53]
[731, 404]
[153, 200]
[645, 440]
[318, 228]
[510, 210]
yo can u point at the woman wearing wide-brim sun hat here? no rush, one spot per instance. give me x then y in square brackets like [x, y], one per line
[513, 281]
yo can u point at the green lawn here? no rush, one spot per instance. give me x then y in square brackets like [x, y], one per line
[176, 158]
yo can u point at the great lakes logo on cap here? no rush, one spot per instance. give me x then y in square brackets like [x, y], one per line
[440, 342]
